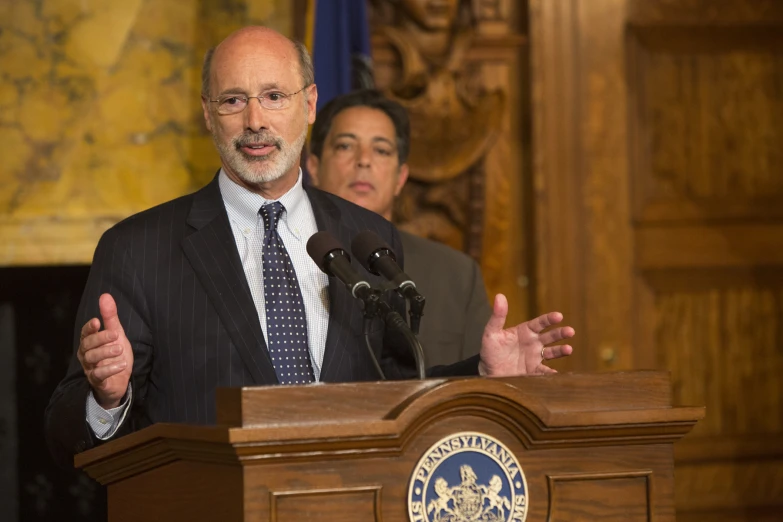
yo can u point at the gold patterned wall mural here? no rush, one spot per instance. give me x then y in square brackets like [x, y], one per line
[100, 114]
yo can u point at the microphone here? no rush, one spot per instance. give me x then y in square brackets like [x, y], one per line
[378, 258]
[330, 257]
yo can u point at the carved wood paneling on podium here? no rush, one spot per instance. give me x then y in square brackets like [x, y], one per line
[561, 447]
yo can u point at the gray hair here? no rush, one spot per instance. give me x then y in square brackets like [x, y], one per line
[305, 66]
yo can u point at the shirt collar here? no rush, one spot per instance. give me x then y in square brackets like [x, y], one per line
[242, 205]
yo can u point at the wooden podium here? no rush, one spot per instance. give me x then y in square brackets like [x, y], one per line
[588, 447]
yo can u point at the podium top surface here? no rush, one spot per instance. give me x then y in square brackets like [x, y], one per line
[545, 395]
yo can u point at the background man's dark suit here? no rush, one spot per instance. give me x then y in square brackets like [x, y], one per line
[457, 308]
[184, 302]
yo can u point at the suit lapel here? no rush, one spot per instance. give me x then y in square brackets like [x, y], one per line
[212, 252]
[336, 367]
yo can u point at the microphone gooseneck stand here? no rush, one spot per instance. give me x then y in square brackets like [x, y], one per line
[379, 308]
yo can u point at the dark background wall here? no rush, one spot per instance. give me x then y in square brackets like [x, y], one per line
[37, 310]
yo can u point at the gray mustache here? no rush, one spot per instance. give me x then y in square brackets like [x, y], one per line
[258, 139]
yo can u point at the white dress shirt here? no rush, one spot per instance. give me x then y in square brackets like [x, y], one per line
[295, 227]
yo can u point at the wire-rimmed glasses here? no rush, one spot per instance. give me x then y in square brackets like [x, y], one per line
[236, 103]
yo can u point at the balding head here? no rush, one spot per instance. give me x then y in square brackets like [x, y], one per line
[249, 37]
[260, 144]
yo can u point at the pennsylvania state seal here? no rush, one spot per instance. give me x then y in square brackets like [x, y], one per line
[468, 477]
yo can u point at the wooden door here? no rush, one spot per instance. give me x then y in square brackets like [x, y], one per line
[658, 170]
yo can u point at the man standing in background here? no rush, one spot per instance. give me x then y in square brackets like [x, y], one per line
[358, 150]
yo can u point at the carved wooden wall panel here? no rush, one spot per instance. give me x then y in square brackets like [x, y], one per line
[467, 96]
[658, 132]
[710, 491]
[720, 345]
[710, 127]
[581, 183]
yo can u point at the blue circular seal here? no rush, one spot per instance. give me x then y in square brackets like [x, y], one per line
[468, 477]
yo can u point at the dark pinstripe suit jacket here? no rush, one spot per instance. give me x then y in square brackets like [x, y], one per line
[186, 307]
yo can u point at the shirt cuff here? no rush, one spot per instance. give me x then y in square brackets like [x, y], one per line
[105, 423]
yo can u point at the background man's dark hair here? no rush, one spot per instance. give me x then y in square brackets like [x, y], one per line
[362, 98]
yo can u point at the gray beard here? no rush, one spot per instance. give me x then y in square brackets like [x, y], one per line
[276, 164]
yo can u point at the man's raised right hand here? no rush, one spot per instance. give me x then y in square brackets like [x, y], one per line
[106, 355]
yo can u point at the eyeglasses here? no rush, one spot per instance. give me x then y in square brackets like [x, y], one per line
[236, 103]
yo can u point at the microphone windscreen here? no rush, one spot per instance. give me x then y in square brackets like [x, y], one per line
[365, 244]
[318, 247]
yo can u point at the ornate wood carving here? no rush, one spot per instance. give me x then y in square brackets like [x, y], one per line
[455, 68]
[453, 121]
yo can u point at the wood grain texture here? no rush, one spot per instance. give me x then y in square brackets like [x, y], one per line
[623, 496]
[707, 337]
[578, 453]
[393, 473]
[728, 485]
[714, 246]
[763, 514]
[657, 163]
[709, 124]
[269, 406]
[359, 504]
[705, 12]
[601, 88]
[193, 491]
[557, 176]
[734, 448]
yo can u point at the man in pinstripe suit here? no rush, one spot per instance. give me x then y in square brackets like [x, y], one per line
[178, 288]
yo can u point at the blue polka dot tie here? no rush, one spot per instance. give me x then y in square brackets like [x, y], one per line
[286, 325]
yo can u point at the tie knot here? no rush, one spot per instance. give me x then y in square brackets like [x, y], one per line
[271, 213]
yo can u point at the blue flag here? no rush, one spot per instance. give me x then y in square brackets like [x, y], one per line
[339, 41]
